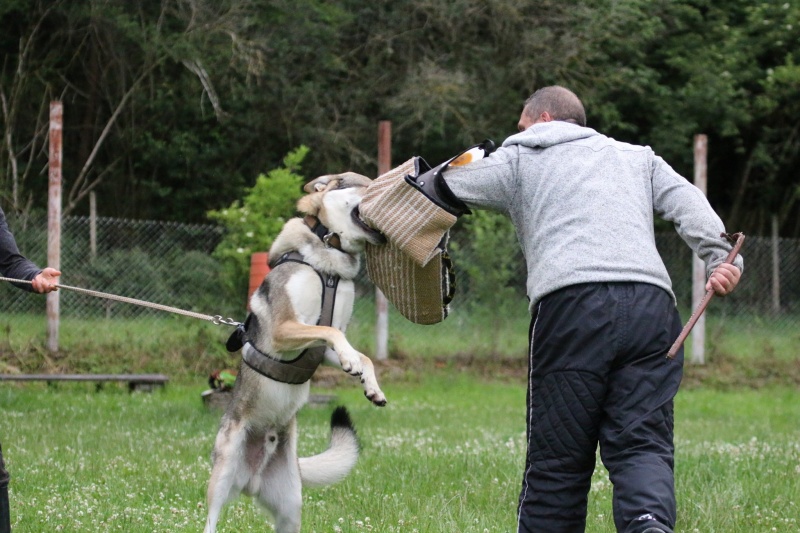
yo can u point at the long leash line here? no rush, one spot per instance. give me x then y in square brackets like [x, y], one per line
[214, 319]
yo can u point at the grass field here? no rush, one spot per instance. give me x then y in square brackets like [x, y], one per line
[185, 346]
[445, 455]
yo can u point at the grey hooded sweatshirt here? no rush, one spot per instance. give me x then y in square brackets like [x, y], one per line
[583, 206]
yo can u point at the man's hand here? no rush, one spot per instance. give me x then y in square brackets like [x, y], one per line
[724, 279]
[46, 280]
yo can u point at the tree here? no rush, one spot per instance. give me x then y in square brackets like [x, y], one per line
[725, 69]
[171, 108]
[125, 78]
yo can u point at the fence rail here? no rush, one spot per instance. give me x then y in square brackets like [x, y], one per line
[171, 264]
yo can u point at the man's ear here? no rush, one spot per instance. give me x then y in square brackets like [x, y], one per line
[546, 117]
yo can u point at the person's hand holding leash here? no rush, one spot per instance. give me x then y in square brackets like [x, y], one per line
[46, 280]
[724, 279]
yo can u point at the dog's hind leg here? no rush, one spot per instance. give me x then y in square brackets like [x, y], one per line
[281, 486]
[229, 472]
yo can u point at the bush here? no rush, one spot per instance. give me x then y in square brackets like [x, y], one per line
[252, 224]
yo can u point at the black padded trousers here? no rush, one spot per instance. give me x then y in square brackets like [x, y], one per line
[5, 515]
[599, 374]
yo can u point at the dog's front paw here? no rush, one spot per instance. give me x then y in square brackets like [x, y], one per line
[351, 363]
[372, 391]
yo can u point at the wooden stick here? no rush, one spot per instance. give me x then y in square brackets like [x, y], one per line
[737, 239]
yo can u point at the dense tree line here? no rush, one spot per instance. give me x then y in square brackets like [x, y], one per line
[173, 107]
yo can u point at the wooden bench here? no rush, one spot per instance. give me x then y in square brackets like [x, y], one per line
[136, 382]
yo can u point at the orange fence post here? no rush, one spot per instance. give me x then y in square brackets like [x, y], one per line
[259, 268]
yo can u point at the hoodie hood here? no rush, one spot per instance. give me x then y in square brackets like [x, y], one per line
[547, 134]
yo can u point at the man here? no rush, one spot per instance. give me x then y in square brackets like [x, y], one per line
[14, 265]
[603, 311]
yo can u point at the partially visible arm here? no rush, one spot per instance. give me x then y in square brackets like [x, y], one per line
[683, 204]
[14, 265]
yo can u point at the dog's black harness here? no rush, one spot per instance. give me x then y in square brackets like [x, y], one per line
[301, 368]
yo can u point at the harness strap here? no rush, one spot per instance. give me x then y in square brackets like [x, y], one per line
[330, 238]
[301, 368]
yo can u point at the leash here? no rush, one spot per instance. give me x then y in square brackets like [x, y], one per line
[214, 319]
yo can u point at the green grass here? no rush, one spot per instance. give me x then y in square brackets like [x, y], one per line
[178, 346]
[445, 455]
[754, 336]
[186, 346]
[479, 334]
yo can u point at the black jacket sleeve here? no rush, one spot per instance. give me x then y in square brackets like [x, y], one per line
[12, 263]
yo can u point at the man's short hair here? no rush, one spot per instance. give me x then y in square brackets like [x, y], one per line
[559, 102]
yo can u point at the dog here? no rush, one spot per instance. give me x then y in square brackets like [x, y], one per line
[313, 262]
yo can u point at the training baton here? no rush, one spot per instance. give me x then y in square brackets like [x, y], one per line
[736, 239]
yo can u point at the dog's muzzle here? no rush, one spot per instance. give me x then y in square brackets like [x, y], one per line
[374, 236]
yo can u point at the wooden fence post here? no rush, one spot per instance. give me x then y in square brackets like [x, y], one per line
[776, 267]
[93, 225]
[381, 304]
[54, 219]
[698, 266]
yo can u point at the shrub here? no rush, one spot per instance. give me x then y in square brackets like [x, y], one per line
[252, 224]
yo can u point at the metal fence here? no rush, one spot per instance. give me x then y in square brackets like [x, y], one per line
[171, 264]
[160, 262]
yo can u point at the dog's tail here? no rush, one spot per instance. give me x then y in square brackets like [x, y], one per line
[332, 465]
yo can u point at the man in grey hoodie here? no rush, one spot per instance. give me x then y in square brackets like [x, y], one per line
[15, 265]
[602, 306]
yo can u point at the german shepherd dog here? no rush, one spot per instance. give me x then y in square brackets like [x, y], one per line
[255, 451]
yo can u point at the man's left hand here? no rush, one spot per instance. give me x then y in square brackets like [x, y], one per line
[46, 280]
[724, 279]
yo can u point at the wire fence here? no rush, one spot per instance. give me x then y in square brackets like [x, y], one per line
[160, 262]
[171, 264]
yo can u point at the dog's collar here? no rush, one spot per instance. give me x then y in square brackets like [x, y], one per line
[330, 238]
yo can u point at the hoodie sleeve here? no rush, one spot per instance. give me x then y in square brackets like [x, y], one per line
[683, 204]
[12, 263]
[488, 183]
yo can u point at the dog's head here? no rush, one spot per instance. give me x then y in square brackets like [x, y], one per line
[334, 200]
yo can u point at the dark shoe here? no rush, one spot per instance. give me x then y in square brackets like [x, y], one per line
[654, 530]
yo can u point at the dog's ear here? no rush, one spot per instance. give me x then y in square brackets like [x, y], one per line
[310, 204]
[320, 184]
[338, 181]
